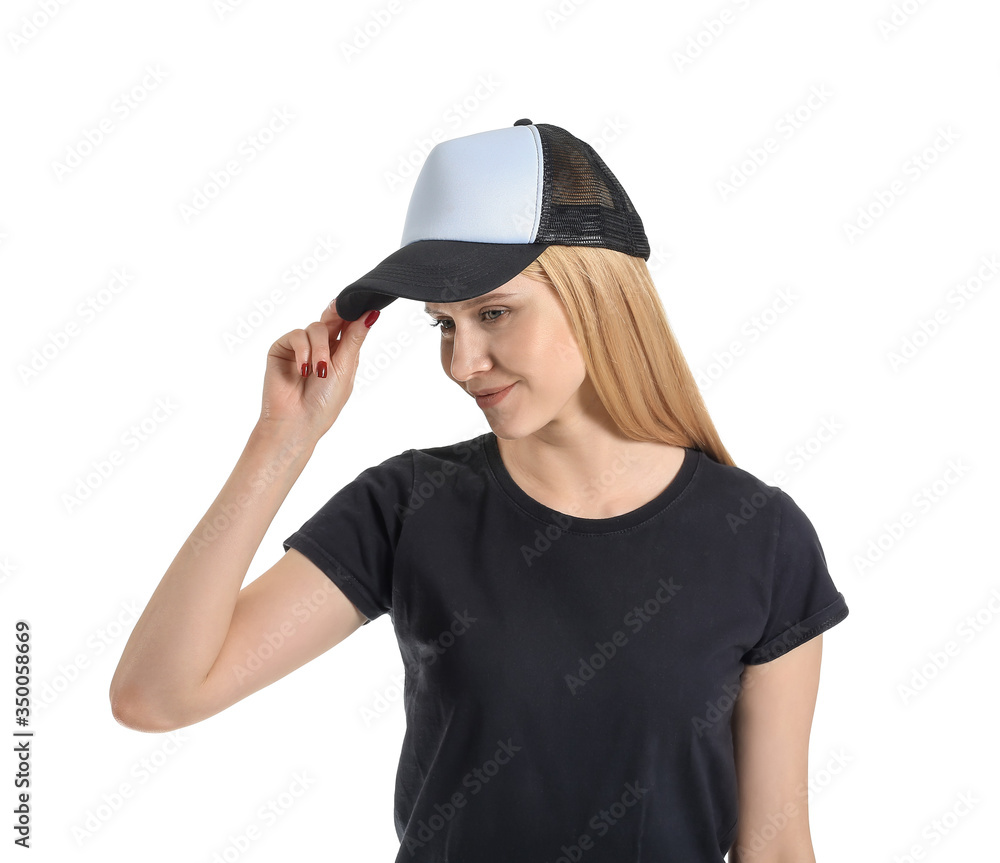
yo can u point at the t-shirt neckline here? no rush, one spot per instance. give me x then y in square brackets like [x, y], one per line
[567, 522]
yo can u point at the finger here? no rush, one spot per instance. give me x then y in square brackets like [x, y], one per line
[292, 347]
[319, 348]
[330, 314]
[346, 357]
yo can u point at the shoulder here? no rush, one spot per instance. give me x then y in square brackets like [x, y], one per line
[417, 474]
[738, 495]
[460, 452]
[399, 466]
[463, 459]
[730, 478]
[389, 481]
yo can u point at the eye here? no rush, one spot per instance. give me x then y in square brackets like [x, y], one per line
[444, 329]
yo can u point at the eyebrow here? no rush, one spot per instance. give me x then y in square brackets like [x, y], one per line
[476, 301]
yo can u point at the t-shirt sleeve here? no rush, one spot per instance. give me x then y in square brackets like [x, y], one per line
[353, 536]
[804, 601]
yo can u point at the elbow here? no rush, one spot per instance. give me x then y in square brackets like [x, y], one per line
[793, 852]
[133, 712]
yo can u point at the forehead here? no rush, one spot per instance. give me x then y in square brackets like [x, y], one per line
[485, 298]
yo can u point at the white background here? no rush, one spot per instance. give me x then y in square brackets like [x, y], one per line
[888, 768]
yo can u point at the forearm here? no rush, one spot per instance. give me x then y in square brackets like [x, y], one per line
[184, 625]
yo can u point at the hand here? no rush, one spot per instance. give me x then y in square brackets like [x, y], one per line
[312, 403]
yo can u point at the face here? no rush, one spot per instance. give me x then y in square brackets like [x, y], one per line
[522, 338]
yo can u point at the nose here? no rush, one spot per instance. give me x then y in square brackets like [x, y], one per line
[469, 354]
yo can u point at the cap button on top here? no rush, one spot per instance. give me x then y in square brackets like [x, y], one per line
[523, 123]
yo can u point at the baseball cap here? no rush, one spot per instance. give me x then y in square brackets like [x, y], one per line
[486, 205]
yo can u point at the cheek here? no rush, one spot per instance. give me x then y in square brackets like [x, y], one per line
[560, 354]
[552, 365]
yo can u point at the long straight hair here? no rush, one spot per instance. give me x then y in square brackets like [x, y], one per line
[630, 352]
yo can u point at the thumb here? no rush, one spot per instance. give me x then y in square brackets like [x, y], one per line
[351, 339]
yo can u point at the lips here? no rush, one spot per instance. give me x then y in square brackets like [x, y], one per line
[491, 392]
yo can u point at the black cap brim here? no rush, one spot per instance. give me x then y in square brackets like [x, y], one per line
[436, 271]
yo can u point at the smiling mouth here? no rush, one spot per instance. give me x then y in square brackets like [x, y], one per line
[489, 400]
[492, 392]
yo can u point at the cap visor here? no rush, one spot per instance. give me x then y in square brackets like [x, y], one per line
[438, 271]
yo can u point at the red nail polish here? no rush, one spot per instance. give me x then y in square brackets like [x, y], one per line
[305, 370]
[321, 369]
[371, 318]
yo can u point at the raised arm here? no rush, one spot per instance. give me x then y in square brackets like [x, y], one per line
[187, 657]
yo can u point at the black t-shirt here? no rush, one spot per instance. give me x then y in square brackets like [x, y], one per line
[569, 681]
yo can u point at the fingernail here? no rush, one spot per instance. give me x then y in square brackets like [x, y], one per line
[372, 317]
[305, 370]
[321, 369]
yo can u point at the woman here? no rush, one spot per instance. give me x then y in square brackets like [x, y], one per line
[611, 633]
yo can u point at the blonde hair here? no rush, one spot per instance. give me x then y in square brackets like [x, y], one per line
[630, 352]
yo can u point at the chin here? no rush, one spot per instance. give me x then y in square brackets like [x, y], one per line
[506, 429]
[513, 428]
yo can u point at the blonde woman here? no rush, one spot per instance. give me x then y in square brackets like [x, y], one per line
[611, 633]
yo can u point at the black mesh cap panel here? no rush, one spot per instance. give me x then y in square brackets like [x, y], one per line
[583, 204]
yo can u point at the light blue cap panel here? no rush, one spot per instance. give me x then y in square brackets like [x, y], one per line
[485, 188]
